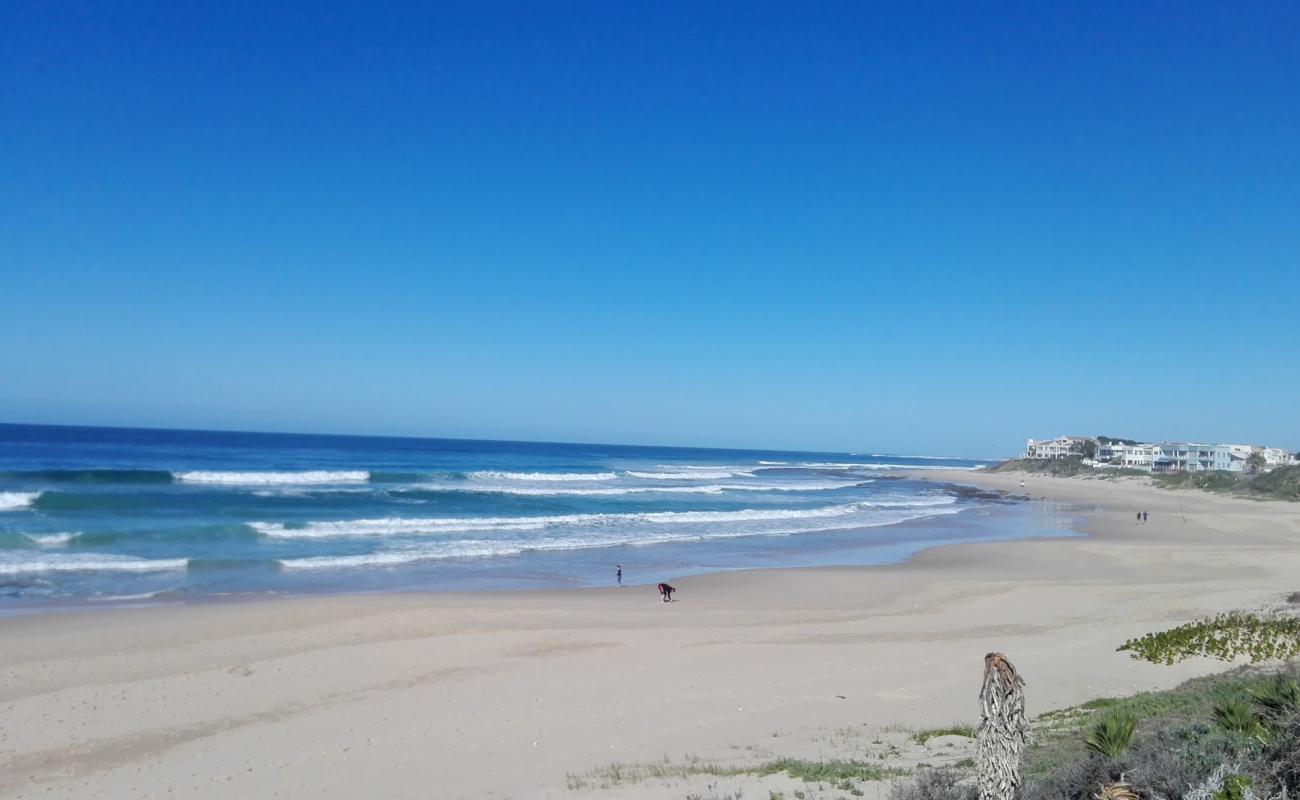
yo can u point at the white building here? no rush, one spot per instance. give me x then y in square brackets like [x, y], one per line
[1133, 456]
[1277, 456]
[1197, 457]
[1060, 447]
[1163, 457]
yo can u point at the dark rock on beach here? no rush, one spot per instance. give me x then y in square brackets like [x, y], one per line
[987, 495]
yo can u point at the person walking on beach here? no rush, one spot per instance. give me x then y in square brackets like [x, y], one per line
[1144, 516]
[618, 573]
[1139, 516]
[666, 592]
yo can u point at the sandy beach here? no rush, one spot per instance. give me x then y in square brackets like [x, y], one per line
[522, 694]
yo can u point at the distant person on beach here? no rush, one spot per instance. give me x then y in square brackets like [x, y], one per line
[618, 573]
[1144, 516]
[666, 592]
[1139, 516]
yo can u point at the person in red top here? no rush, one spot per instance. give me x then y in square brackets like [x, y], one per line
[666, 592]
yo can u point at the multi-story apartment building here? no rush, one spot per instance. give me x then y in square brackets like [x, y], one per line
[1060, 447]
[1197, 457]
[1162, 457]
[1133, 456]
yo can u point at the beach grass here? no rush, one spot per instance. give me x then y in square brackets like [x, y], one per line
[956, 729]
[839, 773]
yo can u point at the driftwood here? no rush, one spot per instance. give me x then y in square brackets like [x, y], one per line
[1002, 730]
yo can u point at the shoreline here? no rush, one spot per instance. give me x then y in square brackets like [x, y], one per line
[843, 555]
[503, 694]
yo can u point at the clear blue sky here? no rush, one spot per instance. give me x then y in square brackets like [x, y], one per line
[907, 227]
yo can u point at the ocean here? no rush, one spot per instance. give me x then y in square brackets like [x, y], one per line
[108, 515]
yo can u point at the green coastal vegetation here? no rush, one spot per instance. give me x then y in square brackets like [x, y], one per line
[1280, 483]
[1223, 737]
[1058, 467]
[956, 729]
[835, 774]
[1227, 637]
[1240, 728]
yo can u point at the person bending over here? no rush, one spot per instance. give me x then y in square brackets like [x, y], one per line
[666, 592]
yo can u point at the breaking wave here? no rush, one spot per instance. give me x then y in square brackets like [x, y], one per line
[490, 475]
[695, 474]
[11, 565]
[615, 491]
[51, 539]
[307, 477]
[399, 526]
[487, 548]
[14, 501]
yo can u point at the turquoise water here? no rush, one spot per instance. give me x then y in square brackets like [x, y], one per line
[97, 514]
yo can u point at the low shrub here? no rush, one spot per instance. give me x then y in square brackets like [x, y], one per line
[938, 783]
[957, 729]
[1281, 483]
[1061, 467]
[1185, 736]
[1168, 761]
[1111, 735]
[1276, 700]
[1280, 763]
[1211, 481]
[1237, 716]
[1077, 780]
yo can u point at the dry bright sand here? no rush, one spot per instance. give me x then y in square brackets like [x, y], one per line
[506, 694]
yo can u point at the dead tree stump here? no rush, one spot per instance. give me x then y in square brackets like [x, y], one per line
[1002, 730]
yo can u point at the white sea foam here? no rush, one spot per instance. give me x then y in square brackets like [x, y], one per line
[14, 501]
[290, 491]
[16, 564]
[491, 475]
[694, 474]
[346, 562]
[470, 548]
[51, 539]
[698, 466]
[122, 598]
[307, 477]
[612, 491]
[740, 470]
[487, 548]
[402, 525]
[407, 526]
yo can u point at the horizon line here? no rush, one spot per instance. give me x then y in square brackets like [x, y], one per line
[495, 441]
